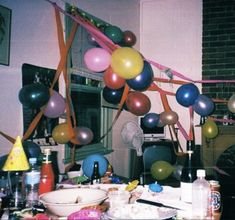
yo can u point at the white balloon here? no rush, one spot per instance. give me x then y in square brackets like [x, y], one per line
[231, 104]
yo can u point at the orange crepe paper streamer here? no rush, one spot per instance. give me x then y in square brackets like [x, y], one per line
[62, 65]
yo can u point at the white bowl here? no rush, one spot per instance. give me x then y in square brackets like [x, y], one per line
[66, 201]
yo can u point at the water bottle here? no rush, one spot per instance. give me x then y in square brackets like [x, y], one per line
[200, 196]
[32, 178]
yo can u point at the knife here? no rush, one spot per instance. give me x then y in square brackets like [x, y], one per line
[156, 204]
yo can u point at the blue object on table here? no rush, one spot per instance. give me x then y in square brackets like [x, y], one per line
[155, 187]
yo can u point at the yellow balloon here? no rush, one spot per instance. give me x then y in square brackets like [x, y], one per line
[210, 129]
[61, 134]
[126, 62]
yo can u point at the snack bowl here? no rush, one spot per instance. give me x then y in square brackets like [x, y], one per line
[66, 201]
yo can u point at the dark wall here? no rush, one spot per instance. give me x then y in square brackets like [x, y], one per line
[218, 59]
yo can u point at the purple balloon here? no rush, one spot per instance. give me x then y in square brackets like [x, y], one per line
[55, 106]
[84, 135]
[203, 105]
[150, 120]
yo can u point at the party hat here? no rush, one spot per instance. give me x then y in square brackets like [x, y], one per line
[16, 160]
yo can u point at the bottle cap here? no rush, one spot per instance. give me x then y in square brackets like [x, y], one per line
[32, 160]
[201, 173]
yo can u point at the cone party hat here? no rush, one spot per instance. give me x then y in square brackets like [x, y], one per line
[16, 160]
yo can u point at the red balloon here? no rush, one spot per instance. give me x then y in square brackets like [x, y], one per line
[129, 38]
[112, 80]
[138, 103]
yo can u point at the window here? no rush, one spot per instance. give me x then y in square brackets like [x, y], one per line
[87, 101]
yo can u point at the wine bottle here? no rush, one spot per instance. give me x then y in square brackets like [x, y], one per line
[188, 174]
[95, 177]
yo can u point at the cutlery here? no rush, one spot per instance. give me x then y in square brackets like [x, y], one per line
[156, 204]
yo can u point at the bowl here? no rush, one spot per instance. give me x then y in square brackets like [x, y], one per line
[66, 201]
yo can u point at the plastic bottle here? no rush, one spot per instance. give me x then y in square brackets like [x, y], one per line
[31, 181]
[47, 180]
[200, 196]
[188, 174]
[95, 177]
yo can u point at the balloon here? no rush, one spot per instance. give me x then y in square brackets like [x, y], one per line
[210, 129]
[129, 38]
[55, 106]
[91, 40]
[203, 105]
[150, 120]
[177, 171]
[127, 62]
[114, 33]
[83, 135]
[88, 163]
[187, 94]
[112, 80]
[231, 104]
[61, 134]
[97, 59]
[34, 95]
[112, 95]
[161, 169]
[143, 80]
[169, 117]
[138, 103]
[31, 149]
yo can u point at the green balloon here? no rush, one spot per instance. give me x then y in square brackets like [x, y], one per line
[210, 129]
[160, 170]
[114, 33]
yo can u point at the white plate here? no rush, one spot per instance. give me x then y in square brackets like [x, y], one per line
[140, 211]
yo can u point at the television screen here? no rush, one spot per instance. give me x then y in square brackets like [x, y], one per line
[152, 134]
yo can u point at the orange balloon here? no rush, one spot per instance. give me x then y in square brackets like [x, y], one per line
[61, 133]
[112, 80]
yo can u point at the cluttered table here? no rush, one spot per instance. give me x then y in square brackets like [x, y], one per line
[112, 201]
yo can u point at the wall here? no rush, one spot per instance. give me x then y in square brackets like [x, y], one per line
[171, 35]
[218, 50]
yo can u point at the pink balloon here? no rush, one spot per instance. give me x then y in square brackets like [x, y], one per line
[97, 59]
[55, 106]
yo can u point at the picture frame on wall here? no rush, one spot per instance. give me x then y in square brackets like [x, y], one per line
[5, 35]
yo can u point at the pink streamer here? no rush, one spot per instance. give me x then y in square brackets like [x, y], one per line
[175, 73]
[182, 130]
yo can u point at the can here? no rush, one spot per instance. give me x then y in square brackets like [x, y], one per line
[215, 198]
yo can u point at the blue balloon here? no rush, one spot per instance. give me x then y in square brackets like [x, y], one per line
[151, 120]
[31, 149]
[88, 163]
[112, 95]
[143, 80]
[203, 105]
[187, 94]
